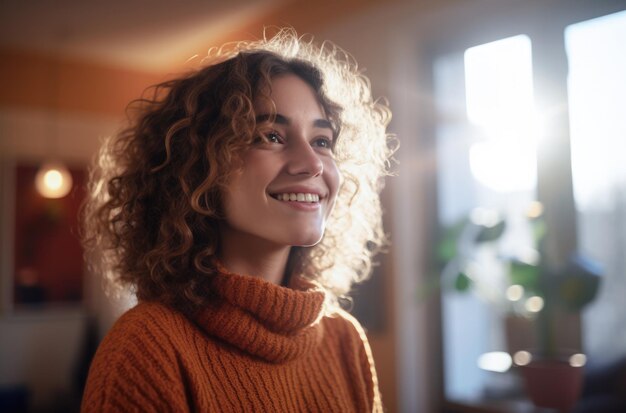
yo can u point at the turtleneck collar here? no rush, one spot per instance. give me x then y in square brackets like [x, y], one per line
[269, 321]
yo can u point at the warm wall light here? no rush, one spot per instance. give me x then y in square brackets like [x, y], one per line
[53, 180]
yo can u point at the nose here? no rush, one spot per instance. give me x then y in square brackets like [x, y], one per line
[303, 160]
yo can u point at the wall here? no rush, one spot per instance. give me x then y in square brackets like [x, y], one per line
[42, 347]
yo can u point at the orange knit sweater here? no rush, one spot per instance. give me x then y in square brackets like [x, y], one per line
[257, 347]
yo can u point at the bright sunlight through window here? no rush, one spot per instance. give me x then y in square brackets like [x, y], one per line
[597, 90]
[499, 99]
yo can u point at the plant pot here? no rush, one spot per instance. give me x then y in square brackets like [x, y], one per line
[553, 383]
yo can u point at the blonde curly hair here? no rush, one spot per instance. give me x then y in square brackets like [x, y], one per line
[151, 219]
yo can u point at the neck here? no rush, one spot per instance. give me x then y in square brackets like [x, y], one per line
[254, 257]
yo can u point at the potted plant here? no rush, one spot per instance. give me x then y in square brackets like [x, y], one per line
[554, 378]
[532, 293]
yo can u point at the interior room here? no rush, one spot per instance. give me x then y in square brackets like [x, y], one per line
[506, 211]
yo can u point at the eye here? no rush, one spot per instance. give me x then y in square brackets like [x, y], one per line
[273, 137]
[323, 142]
[268, 138]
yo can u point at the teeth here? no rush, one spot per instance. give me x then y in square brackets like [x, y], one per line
[300, 197]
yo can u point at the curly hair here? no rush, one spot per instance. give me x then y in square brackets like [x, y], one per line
[151, 219]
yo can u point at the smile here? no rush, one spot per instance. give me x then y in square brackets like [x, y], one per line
[297, 197]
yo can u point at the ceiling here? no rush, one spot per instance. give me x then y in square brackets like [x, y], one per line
[153, 35]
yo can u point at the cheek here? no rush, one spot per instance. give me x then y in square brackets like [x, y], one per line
[241, 193]
[334, 179]
[233, 198]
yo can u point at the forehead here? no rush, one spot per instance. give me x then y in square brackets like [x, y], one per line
[291, 96]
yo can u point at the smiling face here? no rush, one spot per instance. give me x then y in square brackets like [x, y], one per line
[288, 182]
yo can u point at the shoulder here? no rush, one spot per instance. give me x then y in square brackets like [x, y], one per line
[351, 337]
[344, 329]
[146, 322]
[342, 323]
[137, 361]
[143, 332]
[146, 312]
[148, 315]
[148, 329]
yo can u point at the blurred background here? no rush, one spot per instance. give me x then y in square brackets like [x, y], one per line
[512, 122]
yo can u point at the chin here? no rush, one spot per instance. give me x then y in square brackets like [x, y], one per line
[307, 239]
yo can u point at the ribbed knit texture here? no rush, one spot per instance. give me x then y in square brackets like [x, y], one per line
[257, 347]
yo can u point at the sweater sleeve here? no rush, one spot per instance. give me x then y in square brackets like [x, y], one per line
[135, 370]
[357, 345]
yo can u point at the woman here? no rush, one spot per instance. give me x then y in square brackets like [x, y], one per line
[240, 205]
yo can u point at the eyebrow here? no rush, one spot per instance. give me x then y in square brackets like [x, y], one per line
[283, 120]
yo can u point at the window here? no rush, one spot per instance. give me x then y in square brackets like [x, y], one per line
[534, 111]
[597, 104]
[487, 159]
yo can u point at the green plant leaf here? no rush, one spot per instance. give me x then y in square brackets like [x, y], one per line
[492, 233]
[446, 250]
[578, 284]
[539, 230]
[524, 274]
[447, 247]
[462, 282]
[576, 292]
